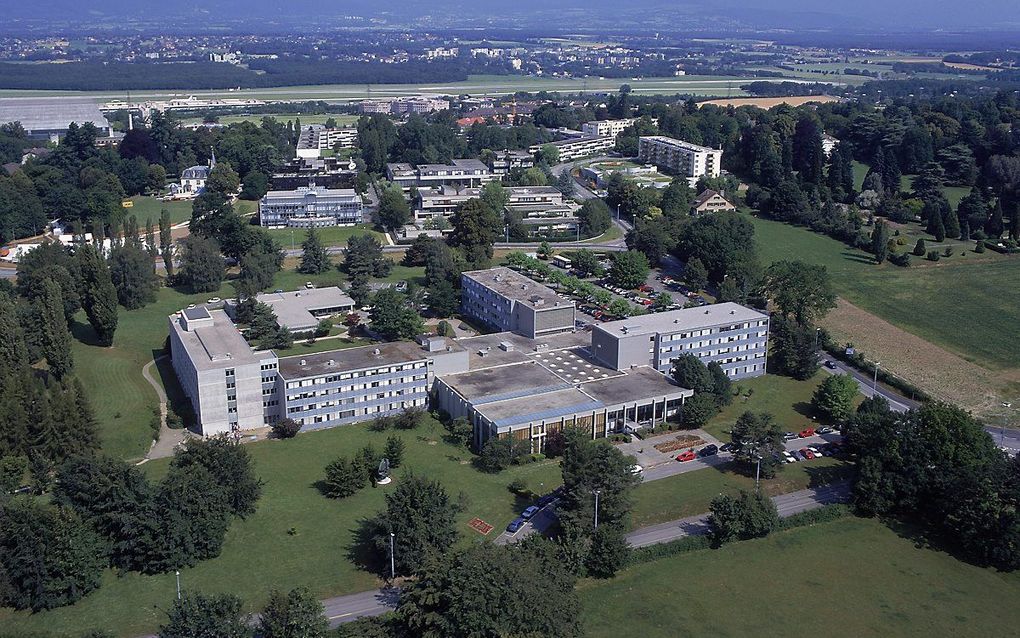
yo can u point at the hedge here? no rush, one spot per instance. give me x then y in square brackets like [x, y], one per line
[858, 361]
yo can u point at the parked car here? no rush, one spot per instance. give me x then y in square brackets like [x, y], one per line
[709, 450]
[825, 430]
[515, 525]
[789, 436]
[728, 447]
[528, 512]
[309, 284]
[797, 454]
[806, 432]
[830, 364]
[808, 454]
[789, 458]
[636, 469]
[815, 451]
[686, 455]
[214, 300]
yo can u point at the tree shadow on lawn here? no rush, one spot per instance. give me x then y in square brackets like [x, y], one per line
[83, 333]
[364, 552]
[858, 257]
[819, 475]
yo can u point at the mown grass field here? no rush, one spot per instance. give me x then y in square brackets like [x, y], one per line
[786, 399]
[957, 303]
[331, 236]
[691, 493]
[145, 207]
[261, 553]
[953, 193]
[852, 577]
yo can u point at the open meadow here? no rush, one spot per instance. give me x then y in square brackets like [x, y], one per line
[851, 577]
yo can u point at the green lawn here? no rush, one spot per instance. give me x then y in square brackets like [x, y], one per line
[930, 300]
[787, 399]
[691, 493]
[260, 554]
[306, 118]
[146, 207]
[852, 577]
[331, 236]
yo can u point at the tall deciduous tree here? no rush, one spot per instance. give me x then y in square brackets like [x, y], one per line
[166, 241]
[133, 275]
[629, 269]
[800, 290]
[475, 229]
[758, 438]
[98, 294]
[834, 398]
[393, 209]
[202, 266]
[420, 517]
[56, 340]
[196, 615]
[296, 614]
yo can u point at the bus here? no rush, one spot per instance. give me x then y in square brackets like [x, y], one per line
[561, 261]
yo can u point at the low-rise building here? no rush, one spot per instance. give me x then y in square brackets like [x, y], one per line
[729, 334]
[578, 147]
[507, 300]
[828, 144]
[49, 119]
[682, 158]
[460, 173]
[607, 128]
[301, 310]
[325, 172]
[316, 138]
[710, 201]
[503, 162]
[310, 207]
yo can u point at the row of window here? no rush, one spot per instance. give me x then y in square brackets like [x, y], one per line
[305, 383]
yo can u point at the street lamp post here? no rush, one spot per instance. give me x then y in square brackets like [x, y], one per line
[596, 493]
[817, 330]
[1002, 424]
[874, 383]
[393, 564]
[757, 473]
[177, 573]
[292, 245]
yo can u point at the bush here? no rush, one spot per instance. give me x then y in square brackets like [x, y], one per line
[672, 548]
[979, 246]
[900, 259]
[823, 514]
[517, 486]
[919, 248]
[948, 252]
[286, 428]
[933, 255]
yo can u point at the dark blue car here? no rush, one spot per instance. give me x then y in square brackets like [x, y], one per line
[515, 525]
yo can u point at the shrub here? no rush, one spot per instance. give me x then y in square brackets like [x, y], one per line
[933, 255]
[919, 248]
[517, 486]
[979, 246]
[286, 428]
[948, 252]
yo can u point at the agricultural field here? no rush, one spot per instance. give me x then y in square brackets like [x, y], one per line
[932, 300]
[297, 536]
[769, 102]
[806, 582]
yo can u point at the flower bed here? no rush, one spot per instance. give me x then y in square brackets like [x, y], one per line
[680, 442]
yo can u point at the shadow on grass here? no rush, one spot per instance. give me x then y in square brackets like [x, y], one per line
[857, 257]
[83, 333]
[804, 408]
[365, 551]
[828, 474]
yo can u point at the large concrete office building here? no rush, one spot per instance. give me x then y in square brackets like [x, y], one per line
[324, 172]
[729, 334]
[607, 128]
[301, 310]
[529, 389]
[507, 300]
[316, 138]
[535, 377]
[310, 207]
[229, 384]
[460, 173]
[677, 156]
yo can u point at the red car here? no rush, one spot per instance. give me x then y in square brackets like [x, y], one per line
[808, 454]
[645, 288]
[806, 433]
[686, 455]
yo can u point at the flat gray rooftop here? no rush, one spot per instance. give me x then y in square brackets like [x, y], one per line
[513, 285]
[213, 345]
[350, 359]
[46, 114]
[671, 141]
[575, 365]
[638, 384]
[679, 320]
[548, 405]
[294, 309]
[505, 382]
[485, 351]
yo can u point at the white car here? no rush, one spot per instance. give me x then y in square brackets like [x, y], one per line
[815, 451]
[789, 458]
[309, 284]
[214, 300]
[636, 469]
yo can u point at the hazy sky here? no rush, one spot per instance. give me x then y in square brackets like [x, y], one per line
[881, 14]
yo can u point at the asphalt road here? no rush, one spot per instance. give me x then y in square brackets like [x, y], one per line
[787, 504]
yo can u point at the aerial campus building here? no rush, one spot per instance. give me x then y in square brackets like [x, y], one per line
[682, 158]
[460, 173]
[316, 138]
[534, 377]
[311, 207]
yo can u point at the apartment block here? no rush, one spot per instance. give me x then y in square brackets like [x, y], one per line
[729, 334]
[607, 128]
[507, 300]
[310, 207]
[578, 147]
[682, 158]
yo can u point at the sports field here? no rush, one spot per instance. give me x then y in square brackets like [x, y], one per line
[852, 577]
[297, 536]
